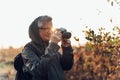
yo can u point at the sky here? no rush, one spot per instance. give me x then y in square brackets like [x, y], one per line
[74, 15]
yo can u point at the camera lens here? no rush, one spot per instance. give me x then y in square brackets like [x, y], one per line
[66, 35]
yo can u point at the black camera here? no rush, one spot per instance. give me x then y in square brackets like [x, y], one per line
[65, 34]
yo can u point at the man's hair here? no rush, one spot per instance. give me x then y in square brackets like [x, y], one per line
[42, 19]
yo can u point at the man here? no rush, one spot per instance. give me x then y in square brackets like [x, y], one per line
[44, 62]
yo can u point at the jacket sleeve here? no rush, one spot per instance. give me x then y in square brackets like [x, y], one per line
[39, 66]
[67, 58]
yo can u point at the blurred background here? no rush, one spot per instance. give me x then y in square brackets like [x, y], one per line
[95, 28]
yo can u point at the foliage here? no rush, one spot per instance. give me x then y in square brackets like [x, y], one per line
[112, 2]
[98, 59]
[8, 54]
[6, 61]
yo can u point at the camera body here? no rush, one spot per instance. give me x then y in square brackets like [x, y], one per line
[65, 34]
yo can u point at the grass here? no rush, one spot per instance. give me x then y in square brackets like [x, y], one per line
[8, 69]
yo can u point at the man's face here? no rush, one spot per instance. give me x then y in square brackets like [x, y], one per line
[45, 31]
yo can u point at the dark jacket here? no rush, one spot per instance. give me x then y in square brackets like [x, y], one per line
[46, 63]
[50, 65]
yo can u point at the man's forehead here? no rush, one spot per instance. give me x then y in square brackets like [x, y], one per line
[47, 23]
[44, 24]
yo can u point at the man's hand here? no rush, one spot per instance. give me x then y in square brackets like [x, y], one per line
[66, 43]
[56, 37]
